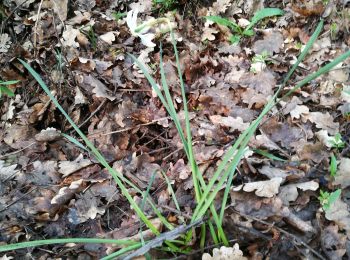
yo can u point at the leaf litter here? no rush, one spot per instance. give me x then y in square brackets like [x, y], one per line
[52, 188]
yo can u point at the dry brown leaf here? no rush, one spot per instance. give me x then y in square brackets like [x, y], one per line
[66, 193]
[86, 207]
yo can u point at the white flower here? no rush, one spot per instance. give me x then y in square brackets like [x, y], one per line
[146, 38]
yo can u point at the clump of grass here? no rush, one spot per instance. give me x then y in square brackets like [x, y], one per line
[205, 193]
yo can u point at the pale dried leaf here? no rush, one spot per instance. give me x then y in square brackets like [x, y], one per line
[66, 193]
[69, 35]
[5, 42]
[7, 171]
[48, 135]
[229, 121]
[265, 189]
[323, 121]
[298, 111]
[345, 94]
[208, 34]
[225, 253]
[108, 37]
[290, 192]
[67, 167]
[327, 140]
[342, 177]
[60, 8]
[272, 43]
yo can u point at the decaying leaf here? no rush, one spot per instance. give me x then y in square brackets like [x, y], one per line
[339, 213]
[69, 36]
[272, 43]
[272, 172]
[86, 207]
[342, 177]
[333, 242]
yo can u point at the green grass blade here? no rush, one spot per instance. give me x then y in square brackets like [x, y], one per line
[10, 247]
[305, 51]
[269, 155]
[75, 141]
[318, 73]
[10, 82]
[170, 187]
[120, 252]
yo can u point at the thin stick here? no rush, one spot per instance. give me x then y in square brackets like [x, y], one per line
[36, 23]
[93, 113]
[17, 151]
[299, 240]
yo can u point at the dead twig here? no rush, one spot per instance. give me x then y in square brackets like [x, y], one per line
[158, 241]
[15, 152]
[36, 24]
[294, 238]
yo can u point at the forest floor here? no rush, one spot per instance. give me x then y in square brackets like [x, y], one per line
[290, 196]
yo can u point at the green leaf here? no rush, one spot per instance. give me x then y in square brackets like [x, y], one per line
[264, 13]
[234, 38]
[248, 32]
[225, 22]
[334, 196]
[118, 15]
[6, 91]
[333, 167]
[75, 141]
